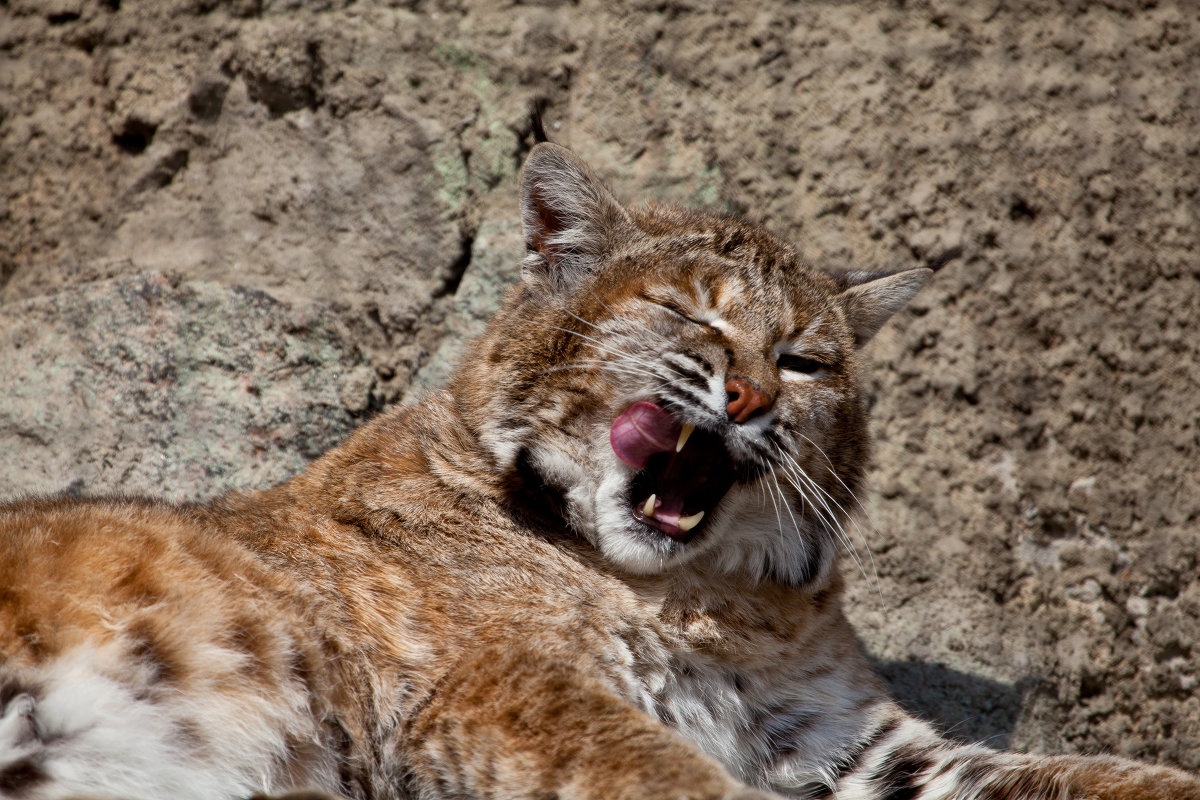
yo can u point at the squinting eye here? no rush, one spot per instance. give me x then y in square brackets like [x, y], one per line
[793, 363]
[679, 312]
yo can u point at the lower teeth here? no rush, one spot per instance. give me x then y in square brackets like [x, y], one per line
[648, 509]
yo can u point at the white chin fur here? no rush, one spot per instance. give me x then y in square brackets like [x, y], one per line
[615, 533]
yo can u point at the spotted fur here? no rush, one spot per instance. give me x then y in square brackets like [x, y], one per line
[478, 597]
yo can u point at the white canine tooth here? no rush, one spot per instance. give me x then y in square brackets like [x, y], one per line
[684, 433]
[687, 523]
[648, 509]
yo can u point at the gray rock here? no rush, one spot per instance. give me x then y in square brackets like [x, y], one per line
[495, 266]
[141, 386]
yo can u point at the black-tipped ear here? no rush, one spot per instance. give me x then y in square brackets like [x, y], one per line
[569, 218]
[871, 299]
[537, 109]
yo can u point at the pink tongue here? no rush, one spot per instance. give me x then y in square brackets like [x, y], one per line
[642, 430]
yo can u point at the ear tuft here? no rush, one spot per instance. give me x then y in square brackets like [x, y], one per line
[569, 218]
[871, 299]
[945, 258]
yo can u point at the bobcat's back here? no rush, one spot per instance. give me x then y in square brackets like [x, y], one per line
[133, 635]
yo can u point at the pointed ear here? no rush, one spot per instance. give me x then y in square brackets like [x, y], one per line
[871, 299]
[569, 218]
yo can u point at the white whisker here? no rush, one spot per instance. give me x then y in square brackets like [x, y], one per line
[861, 533]
[602, 347]
[799, 473]
[788, 506]
[604, 365]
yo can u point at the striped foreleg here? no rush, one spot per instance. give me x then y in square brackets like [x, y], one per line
[900, 758]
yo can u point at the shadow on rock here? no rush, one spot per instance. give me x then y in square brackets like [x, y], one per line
[962, 706]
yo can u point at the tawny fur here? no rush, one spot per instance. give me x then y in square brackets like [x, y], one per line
[460, 601]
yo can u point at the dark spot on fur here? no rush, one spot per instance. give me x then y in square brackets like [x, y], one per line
[10, 688]
[136, 586]
[454, 767]
[885, 729]
[733, 241]
[683, 394]
[410, 785]
[898, 776]
[443, 789]
[511, 423]
[822, 599]
[147, 646]
[850, 761]
[27, 630]
[542, 506]
[249, 637]
[491, 775]
[694, 378]
[20, 776]
[338, 740]
[784, 730]
[815, 791]
[300, 667]
[808, 570]
[188, 734]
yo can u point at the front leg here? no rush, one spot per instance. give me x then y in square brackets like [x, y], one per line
[510, 724]
[900, 758]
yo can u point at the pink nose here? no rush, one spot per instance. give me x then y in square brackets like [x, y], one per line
[745, 399]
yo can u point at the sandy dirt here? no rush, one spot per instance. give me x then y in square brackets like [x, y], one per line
[231, 230]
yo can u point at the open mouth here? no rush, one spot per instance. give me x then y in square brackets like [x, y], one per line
[683, 472]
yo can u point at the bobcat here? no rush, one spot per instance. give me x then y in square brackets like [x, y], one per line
[601, 564]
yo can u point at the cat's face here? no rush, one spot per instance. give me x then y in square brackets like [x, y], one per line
[687, 387]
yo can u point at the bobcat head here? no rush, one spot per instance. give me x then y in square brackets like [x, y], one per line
[684, 385]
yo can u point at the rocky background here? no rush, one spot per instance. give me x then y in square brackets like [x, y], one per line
[230, 231]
